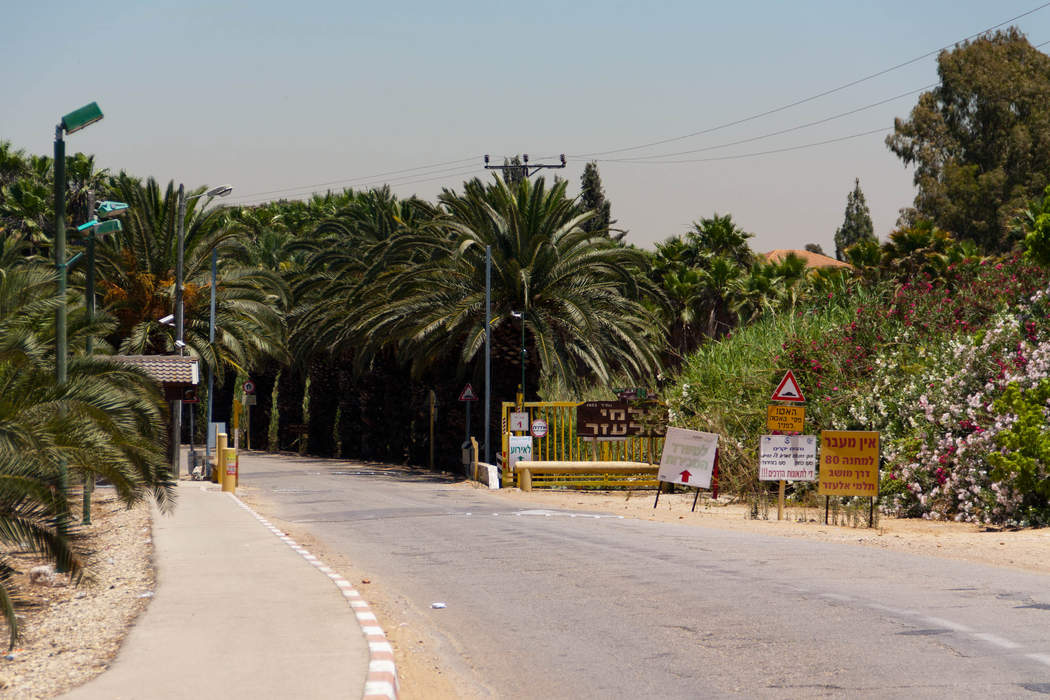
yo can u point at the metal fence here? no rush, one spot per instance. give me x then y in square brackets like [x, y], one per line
[563, 443]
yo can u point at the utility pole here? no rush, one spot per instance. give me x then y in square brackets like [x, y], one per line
[513, 171]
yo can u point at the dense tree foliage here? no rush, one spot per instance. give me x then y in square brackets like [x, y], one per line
[592, 198]
[980, 141]
[856, 225]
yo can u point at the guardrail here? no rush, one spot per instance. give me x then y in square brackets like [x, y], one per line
[590, 474]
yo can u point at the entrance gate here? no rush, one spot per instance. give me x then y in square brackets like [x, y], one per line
[563, 443]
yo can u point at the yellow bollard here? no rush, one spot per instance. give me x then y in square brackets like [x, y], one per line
[229, 476]
[217, 467]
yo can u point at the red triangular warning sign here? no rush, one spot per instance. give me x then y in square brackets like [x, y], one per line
[788, 389]
[468, 394]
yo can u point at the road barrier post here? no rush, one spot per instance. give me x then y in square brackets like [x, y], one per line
[229, 477]
[220, 465]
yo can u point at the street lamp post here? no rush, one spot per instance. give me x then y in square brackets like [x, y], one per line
[180, 344]
[521, 315]
[71, 123]
[95, 228]
[488, 351]
[211, 343]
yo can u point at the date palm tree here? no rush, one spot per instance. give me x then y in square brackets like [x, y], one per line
[581, 294]
[137, 269]
[105, 420]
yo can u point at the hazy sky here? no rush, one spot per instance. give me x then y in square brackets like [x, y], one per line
[282, 99]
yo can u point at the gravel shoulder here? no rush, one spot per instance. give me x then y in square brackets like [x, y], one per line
[71, 633]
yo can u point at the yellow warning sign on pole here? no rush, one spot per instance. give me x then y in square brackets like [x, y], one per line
[785, 419]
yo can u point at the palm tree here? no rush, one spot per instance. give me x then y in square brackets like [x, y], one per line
[719, 235]
[105, 420]
[137, 273]
[580, 292]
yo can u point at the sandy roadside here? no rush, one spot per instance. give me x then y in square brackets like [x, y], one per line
[1020, 549]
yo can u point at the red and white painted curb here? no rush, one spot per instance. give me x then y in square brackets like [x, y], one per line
[382, 673]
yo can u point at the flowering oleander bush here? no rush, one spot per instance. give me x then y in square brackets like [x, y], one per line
[953, 372]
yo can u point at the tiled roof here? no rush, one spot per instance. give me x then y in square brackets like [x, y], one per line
[811, 259]
[165, 369]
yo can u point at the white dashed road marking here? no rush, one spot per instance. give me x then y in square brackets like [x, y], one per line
[382, 672]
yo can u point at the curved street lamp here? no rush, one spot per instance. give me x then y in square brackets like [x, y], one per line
[220, 191]
[70, 123]
[95, 227]
[521, 315]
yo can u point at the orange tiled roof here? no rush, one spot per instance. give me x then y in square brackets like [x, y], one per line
[811, 259]
[165, 369]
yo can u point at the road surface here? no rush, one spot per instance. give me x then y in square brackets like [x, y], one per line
[556, 604]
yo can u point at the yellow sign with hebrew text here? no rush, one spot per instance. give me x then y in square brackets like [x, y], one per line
[849, 463]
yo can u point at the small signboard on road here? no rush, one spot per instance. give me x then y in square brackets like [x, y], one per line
[539, 428]
[688, 457]
[787, 458]
[468, 394]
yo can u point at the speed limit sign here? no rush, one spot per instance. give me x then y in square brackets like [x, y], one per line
[249, 387]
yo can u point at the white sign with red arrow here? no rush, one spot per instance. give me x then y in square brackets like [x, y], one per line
[688, 457]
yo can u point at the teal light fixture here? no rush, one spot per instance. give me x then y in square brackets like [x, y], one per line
[85, 116]
[107, 209]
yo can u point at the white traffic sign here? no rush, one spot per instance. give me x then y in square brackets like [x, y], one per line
[520, 447]
[519, 421]
[468, 394]
[539, 428]
[249, 387]
[688, 457]
[787, 458]
[788, 389]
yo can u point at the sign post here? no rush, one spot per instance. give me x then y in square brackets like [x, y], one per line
[469, 397]
[787, 457]
[249, 401]
[849, 465]
[785, 420]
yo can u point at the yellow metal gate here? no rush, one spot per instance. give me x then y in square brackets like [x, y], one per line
[563, 443]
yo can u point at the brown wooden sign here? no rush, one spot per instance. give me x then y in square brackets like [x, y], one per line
[621, 419]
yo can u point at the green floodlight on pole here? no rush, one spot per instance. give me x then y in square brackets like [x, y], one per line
[72, 122]
[107, 209]
[78, 119]
[102, 228]
[95, 228]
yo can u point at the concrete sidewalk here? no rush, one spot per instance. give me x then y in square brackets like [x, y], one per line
[236, 614]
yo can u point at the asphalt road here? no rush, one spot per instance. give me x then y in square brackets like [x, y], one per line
[556, 604]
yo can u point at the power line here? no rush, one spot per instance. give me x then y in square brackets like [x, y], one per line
[796, 103]
[635, 161]
[363, 177]
[367, 182]
[459, 173]
[781, 132]
[370, 180]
